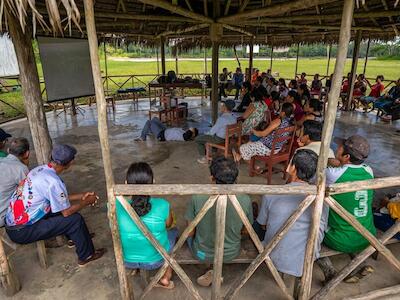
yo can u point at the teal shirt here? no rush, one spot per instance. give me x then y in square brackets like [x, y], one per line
[135, 247]
[3, 154]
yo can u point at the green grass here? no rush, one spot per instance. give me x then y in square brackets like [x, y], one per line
[286, 68]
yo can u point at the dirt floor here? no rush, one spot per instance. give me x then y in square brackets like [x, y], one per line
[173, 163]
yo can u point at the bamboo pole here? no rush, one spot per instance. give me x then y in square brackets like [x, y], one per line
[297, 60]
[377, 294]
[356, 52]
[144, 17]
[366, 56]
[182, 239]
[211, 189]
[272, 57]
[259, 245]
[250, 73]
[329, 59]
[330, 116]
[125, 286]
[158, 62]
[362, 256]
[150, 237]
[176, 62]
[240, 281]
[373, 184]
[214, 83]
[220, 218]
[162, 44]
[105, 64]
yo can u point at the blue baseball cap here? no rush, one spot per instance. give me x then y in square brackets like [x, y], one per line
[63, 154]
[4, 135]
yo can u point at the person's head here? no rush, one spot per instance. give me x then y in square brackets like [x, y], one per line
[225, 70]
[292, 97]
[257, 95]
[282, 82]
[303, 166]
[227, 106]
[223, 171]
[258, 81]
[316, 76]
[238, 70]
[62, 157]
[302, 89]
[190, 134]
[269, 71]
[247, 86]
[293, 84]
[287, 110]
[312, 132]
[313, 105]
[271, 81]
[361, 77]
[353, 150]
[140, 173]
[257, 71]
[264, 75]
[380, 78]
[275, 95]
[303, 75]
[4, 136]
[19, 147]
[349, 75]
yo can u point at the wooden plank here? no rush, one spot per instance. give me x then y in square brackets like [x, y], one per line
[214, 81]
[373, 184]
[149, 236]
[240, 281]
[259, 245]
[41, 249]
[212, 189]
[322, 293]
[220, 218]
[330, 117]
[389, 291]
[125, 285]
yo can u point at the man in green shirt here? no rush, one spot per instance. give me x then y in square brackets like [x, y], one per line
[340, 235]
[4, 136]
[202, 238]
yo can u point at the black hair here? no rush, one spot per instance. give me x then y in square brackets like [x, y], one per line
[304, 74]
[313, 129]
[140, 173]
[304, 87]
[259, 79]
[287, 108]
[354, 160]
[293, 82]
[275, 95]
[283, 82]
[18, 146]
[294, 95]
[247, 85]
[187, 135]
[261, 126]
[257, 94]
[224, 170]
[381, 77]
[305, 161]
[315, 104]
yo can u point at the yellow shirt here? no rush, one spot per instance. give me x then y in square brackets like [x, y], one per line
[394, 209]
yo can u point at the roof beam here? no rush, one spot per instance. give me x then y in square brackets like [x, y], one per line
[185, 30]
[244, 5]
[237, 29]
[276, 9]
[176, 9]
[129, 16]
[228, 4]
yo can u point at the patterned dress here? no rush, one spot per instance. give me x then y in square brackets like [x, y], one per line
[255, 118]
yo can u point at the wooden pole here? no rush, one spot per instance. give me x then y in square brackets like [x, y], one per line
[329, 59]
[250, 72]
[214, 83]
[105, 65]
[162, 44]
[297, 60]
[158, 62]
[378, 294]
[272, 57]
[356, 52]
[125, 285]
[373, 184]
[31, 92]
[205, 61]
[176, 62]
[330, 116]
[366, 56]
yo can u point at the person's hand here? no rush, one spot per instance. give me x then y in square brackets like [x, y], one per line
[89, 198]
[300, 143]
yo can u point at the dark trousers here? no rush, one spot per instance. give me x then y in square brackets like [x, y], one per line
[238, 87]
[73, 227]
[259, 230]
[153, 126]
[383, 222]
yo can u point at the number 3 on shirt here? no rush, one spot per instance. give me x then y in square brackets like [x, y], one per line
[362, 209]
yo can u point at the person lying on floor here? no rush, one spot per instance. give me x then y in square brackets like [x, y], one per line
[41, 208]
[157, 215]
[340, 235]
[156, 128]
[202, 239]
[288, 255]
[263, 146]
[388, 214]
[216, 134]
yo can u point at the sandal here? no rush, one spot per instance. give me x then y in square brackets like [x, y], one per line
[95, 256]
[364, 272]
[206, 279]
[170, 286]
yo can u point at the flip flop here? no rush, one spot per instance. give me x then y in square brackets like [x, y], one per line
[364, 272]
[170, 286]
[95, 256]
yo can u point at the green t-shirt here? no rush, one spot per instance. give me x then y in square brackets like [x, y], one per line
[203, 244]
[135, 247]
[3, 154]
[341, 236]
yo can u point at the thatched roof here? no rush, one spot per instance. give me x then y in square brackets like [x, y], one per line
[272, 22]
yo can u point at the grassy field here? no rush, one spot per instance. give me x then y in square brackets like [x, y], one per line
[285, 68]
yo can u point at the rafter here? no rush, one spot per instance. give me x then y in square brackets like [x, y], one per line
[237, 29]
[180, 31]
[244, 5]
[122, 16]
[228, 4]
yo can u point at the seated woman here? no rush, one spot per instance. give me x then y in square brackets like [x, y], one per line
[312, 111]
[316, 85]
[245, 96]
[283, 89]
[264, 145]
[293, 85]
[360, 87]
[376, 91]
[254, 114]
[304, 93]
[294, 99]
[156, 214]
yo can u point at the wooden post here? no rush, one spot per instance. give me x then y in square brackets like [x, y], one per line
[215, 34]
[297, 60]
[356, 52]
[330, 116]
[105, 65]
[158, 62]
[176, 62]
[205, 61]
[250, 72]
[272, 57]
[125, 285]
[366, 56]
[329, 49]
[31, 89]
[162, 47]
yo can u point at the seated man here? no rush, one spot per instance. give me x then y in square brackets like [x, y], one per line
[202, 238]
[217, 133]
[388, 214]
[162, 133]
[341, 236]
[288, 255]
[311, 139]
[40, 208]
[3, 140]
[13, 170]
[388, 100]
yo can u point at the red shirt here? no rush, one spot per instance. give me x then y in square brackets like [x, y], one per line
[376, 90]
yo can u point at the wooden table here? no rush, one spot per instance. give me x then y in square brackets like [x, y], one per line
[168, 86]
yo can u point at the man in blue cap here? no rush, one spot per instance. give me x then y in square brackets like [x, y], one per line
[4, 136]
[41, 208]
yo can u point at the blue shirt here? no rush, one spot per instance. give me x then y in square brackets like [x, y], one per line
[41, 192]
[174, 134]
[219, 129]
[238, 78]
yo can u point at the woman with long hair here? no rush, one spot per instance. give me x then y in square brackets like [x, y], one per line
[156, 214]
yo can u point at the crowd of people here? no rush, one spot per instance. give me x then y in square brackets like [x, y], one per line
[35, 204]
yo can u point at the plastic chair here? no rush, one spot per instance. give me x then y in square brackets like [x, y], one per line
[233, 137]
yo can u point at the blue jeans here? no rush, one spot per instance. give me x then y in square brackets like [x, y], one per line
[383, 222]
[153, 126]
[259, 230]
[172, 235]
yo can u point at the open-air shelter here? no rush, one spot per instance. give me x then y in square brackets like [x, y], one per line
[212, 24]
